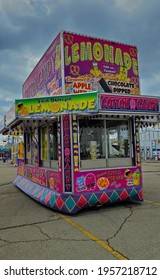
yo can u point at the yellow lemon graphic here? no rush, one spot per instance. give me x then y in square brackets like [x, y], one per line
[55, 107]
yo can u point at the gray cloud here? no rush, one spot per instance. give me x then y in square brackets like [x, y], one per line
[27, 27]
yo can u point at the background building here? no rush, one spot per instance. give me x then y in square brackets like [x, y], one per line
[150, 142]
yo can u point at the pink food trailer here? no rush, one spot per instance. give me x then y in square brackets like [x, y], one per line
[79, 115]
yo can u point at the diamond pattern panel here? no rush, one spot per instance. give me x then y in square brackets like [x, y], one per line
[82, 201]
[104, 198]
[114, 196]
[93, 200]
[124, 195]
[140, 195]
[72, 203]
[59, 202]
[52, 200]
[47, 198]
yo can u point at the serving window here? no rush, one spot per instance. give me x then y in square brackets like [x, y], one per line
[92, 139]
[41, 147]
[49, 153]
[118, 139]
[105, 142]
[31, 147]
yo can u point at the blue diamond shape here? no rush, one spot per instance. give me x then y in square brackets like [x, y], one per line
[52, 200]
[114, 196]
[33, 188]
[93, 199]
[133, 193]
[43, 195]
[70, 203]
[37, 192]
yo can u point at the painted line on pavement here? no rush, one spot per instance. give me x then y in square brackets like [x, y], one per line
[152, 202]
[94, 238]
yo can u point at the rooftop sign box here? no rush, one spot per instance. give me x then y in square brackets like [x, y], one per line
[76, 63]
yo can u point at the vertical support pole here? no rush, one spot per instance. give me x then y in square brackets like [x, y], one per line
[67, 161]
[138, 157]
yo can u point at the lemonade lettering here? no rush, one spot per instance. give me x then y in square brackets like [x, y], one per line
[86, 51]
[61, 106]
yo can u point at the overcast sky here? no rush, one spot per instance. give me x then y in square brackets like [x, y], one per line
[27, 28]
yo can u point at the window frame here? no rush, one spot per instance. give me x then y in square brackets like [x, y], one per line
[49, 163]
[109, 162]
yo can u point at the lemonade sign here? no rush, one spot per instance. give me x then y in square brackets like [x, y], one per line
[55, 105]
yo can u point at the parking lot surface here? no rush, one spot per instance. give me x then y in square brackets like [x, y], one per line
[29, 230]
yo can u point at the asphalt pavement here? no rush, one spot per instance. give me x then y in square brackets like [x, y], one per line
[29, 230]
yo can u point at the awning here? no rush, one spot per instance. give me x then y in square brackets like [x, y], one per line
[89, 103]
[15, 122]
[86, 103]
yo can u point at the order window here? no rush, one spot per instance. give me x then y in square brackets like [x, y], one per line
[118, 139]
[91, 139]
[49, 144]
[32, 147]
[105, 143]
[53, 151]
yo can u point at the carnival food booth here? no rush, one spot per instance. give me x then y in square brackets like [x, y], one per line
[80, 113]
